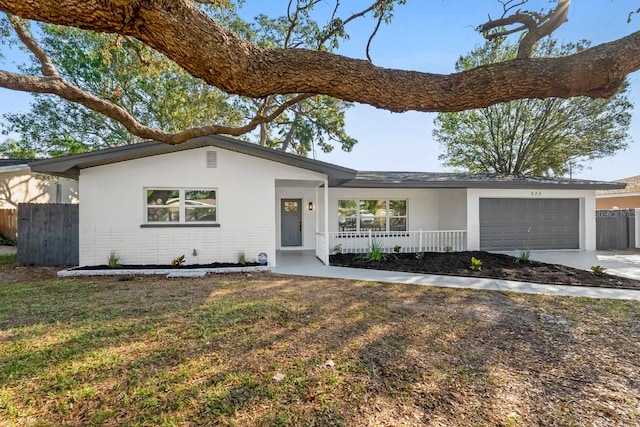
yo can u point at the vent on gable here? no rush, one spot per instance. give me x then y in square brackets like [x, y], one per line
[212, 159]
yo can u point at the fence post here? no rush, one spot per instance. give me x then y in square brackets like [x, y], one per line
[370, 238]
[420, 242]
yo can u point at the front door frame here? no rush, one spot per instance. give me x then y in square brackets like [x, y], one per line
[295, 241]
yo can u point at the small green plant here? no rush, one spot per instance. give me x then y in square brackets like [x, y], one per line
[113, 261]
[5, 241]
[597, 270]
[374, 252]
[448, 249]
[337, 249]
[420, 255]
[476, 264]
[177, 262]
[397, 249]
[525, 254]
[241, 258]
[8, 261]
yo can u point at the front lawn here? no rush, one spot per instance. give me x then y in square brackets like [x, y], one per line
[149, 351]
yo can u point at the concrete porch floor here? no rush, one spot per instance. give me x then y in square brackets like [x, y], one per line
[305, 263]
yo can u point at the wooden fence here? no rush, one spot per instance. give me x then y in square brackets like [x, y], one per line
[615, 229]
[9, 223]
[48, 234]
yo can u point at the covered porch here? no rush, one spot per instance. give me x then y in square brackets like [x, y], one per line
[396, 220]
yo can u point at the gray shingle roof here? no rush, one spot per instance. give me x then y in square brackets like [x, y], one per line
[633, 186]
[376, 179]
[13, 162]
[70, 166]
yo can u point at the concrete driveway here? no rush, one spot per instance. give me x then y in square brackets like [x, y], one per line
[620, 263]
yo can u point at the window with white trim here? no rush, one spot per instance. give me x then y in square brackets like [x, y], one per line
[374, 215]
[181, 206]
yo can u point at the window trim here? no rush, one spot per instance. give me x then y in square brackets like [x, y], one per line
[182, 208]
[387, 216]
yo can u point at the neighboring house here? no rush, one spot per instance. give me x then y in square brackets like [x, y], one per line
[18, 184]
[212, 197]
[622, 198]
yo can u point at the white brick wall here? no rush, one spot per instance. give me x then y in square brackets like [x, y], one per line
[162, 245]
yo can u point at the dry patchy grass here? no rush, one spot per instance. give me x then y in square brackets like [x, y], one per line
[149, 351]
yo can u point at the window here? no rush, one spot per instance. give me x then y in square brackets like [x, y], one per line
[374, 215]
[180, 205]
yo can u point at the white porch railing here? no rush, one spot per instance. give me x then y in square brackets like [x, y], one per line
[321, 251]
[408, 241]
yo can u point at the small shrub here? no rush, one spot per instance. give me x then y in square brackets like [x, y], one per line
[448, 249]
[476, 264]
[420, 255]
[597, 270]
[374, 253]
[177, 262]
[397, 249]
[113, 261]
[525, 254]
[241, 258]
[5, 241]
[337, 249]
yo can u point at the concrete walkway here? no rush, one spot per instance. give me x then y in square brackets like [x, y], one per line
[7, 250]
[304, 263]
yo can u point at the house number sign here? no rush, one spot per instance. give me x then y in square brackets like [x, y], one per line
[536, 193]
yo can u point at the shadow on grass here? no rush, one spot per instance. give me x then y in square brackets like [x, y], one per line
[205, 351]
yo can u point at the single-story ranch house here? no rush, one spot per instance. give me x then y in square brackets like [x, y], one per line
[213, 197]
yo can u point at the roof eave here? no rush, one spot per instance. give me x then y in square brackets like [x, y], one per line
[479, 185]
[70, 166]
[14, 168]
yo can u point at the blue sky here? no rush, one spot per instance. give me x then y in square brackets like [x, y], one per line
[429, 36]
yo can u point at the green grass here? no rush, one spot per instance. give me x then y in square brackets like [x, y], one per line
[7, 261]
[204, 351]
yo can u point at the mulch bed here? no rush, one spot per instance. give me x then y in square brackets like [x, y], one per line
[496, 266]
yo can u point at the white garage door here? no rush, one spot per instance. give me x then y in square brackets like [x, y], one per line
[507, 224]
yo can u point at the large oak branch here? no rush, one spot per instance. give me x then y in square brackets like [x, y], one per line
[220, 57]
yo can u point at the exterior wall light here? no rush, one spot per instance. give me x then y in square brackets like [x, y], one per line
[310, 207]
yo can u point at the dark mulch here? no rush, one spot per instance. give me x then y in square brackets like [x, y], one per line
[497, 266]
[169, 266]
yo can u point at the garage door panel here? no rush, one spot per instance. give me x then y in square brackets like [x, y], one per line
[533, 223]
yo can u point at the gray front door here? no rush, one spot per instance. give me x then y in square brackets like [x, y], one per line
[529, 224]
[291, 222]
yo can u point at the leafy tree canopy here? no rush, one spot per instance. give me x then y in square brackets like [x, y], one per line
[532, 136]
[160, 94]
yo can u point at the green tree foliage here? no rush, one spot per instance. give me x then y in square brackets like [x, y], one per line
[159, 93]
[532, 136]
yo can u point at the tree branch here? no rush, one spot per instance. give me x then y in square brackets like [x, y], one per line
[46, 66]
[536, 24]
[58, 86]
[209, 51]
